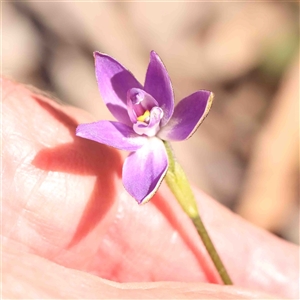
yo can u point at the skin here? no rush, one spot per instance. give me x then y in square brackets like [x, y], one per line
[70, 230]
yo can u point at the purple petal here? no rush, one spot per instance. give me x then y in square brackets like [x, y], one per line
[189, 113]
[144, 170]
[113, 134]
[158, 84]
[113, 82]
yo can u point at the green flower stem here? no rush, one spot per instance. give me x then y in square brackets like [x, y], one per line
[180, 187]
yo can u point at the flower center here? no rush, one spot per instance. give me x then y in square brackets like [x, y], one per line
[144, 112]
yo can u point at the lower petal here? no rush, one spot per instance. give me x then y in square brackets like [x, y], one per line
[188, 115]
[144, 170]
[113, 134]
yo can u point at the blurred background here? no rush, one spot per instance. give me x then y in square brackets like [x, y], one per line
[245, 154]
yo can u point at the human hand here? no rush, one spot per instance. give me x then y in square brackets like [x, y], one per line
[68, 224]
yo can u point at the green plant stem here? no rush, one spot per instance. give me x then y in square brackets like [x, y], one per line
[180, 187]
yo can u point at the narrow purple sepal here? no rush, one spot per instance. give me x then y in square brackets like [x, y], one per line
[144, 170]
[189, 113]
[158, 84]
[113, 134]
[113, 82]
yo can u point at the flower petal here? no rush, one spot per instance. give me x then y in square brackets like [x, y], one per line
[113, 134]
[158, 84]
[189, 113]
[144, 170]
[113, 82]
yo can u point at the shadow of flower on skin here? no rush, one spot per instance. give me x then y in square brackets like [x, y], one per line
[83, 157]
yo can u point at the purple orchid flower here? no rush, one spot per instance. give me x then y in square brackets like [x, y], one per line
[146, 117]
